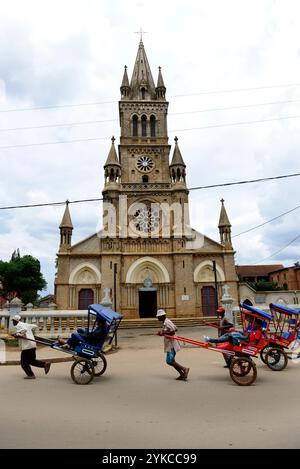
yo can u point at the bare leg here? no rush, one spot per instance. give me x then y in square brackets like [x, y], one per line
[183, 372]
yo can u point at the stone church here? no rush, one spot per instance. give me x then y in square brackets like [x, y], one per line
[147, 254]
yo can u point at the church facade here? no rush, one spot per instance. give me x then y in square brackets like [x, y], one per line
[147, 254]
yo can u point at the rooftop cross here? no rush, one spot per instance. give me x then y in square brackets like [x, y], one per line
[141, 32]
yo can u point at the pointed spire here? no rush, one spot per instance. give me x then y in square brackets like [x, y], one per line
[160, 80]
[125, 81]
[224, 220]
[177, 159]
[142, 77]
[224, 227]
[66, 219]
[112, 158]
[125, 84]
[66, 228]
[160, 88]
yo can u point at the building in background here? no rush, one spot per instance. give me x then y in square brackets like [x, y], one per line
[256, 273]
[147, 253]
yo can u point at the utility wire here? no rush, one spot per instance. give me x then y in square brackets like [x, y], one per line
[234, 90]
[214, 126]
[277, 252]
[266, 222]
[192, 188]
[11, 207]
[5, 147]
[70, 124]
[243, 182]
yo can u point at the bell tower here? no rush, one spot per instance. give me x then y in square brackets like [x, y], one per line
[140, 168]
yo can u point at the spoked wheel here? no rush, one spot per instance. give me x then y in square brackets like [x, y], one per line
[243, 371]
[276, 359]
[264, 352]
[82, 371]
[100, 364]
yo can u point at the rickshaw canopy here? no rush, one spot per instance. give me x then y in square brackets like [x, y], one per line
[104, 313]
[284, 309]
[256, 311]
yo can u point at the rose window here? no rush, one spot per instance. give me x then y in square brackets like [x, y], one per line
[145, 164]
[146, 220]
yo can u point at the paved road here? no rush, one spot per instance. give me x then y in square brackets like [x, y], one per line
[137, 403]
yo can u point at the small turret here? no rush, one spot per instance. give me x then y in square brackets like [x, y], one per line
[125, 88]
[66, 228]
[112, 167]
[177, 166]
[224, 227]
[160, 88]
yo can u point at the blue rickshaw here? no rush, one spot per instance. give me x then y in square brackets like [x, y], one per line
[89, 358]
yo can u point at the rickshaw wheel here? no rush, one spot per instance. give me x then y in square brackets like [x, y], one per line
[264, 352]
[276, 359]
[100, 364]
[243, 371]
[82, 371]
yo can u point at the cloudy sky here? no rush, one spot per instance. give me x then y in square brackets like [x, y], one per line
[225, 64]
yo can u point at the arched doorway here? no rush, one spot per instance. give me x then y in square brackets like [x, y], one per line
[208, 300]
[85, 298]
[147, 300]
[248, 302]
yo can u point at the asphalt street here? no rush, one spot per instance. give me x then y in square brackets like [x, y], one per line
[138, 403]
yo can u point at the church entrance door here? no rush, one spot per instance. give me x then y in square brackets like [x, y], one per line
[85, 298]
[147, 303]
[208, 301]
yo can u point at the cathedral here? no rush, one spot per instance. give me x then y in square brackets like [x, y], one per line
[147, 254]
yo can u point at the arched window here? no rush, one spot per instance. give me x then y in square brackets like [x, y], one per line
[143, 91]
[145, 178]
[144, 126]
[134, 126]
[85, 298]
[152, 126]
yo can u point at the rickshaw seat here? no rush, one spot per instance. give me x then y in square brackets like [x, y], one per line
[286, 335]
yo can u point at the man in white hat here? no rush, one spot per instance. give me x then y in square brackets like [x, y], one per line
[171, 346]
[28, 347]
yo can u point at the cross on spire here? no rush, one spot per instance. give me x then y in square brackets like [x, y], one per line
[141, 32]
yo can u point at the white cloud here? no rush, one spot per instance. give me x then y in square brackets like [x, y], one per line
[74, 52]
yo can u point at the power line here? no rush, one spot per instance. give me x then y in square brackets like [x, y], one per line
[70, 124]
[189, 189]
[23, 145]
[11, 207]
[266, 222]
[277, 252]
[214, 126]
[243, 182]
[234, 90]
[5, 147]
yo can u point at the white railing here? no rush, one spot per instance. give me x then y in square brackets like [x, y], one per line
[49, 323]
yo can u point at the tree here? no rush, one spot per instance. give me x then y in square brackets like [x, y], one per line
[22, 275]
[264, 285]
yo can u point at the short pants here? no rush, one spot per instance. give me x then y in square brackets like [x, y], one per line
[170, 358]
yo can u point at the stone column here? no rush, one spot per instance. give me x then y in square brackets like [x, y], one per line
[227, 301]
[15, 307]
[106, 301]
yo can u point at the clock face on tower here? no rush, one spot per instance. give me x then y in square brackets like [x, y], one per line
[145, 164]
